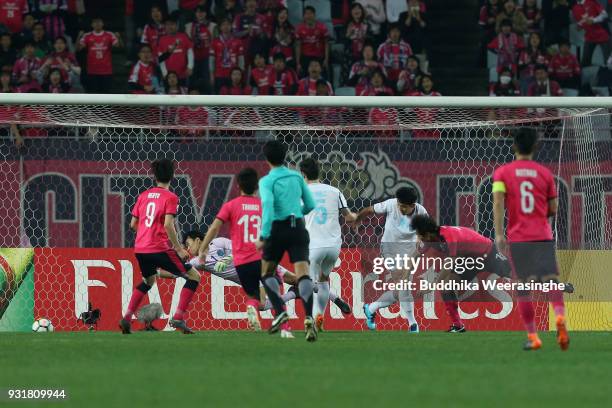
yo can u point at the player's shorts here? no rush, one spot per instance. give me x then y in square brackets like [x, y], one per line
[249, 275]
[289, 236]
[168, 261]
[534, 261]
[494, 263]
[322, 261]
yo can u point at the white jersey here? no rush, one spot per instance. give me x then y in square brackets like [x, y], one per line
[397, 225]
[323, 223]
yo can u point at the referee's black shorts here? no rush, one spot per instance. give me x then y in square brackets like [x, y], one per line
[289, 236]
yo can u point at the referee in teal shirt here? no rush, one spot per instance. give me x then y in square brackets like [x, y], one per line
[285, 199]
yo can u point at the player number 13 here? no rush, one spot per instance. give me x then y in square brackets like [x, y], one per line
[255, 221]
[527, 199]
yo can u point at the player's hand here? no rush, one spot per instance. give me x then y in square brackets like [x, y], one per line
[189, 72]
[502, 245]
[259, 244]
[182, 253]
[222, 264]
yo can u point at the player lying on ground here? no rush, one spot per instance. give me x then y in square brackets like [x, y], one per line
[527, 190]
[398, 239]
[323, 225]
[458, 242]
[153, 219]
[219, 262]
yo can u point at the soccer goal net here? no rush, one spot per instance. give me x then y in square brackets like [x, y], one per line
[73, 165]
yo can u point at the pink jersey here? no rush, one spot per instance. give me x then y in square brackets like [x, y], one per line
[528, 187]
[99, 52]
[151, 209]
[243, 214]
[466, 242]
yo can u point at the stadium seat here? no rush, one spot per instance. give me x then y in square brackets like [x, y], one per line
[589, 75]
[336, 74]
[296, 11]
[493, 75]
[598, 58]
[576, 36]
[345, 91]
[601, 90]
[491, 59]
[570, 92]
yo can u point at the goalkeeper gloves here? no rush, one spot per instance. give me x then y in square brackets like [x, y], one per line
[223, 263]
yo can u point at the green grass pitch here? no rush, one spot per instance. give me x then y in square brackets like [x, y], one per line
[352, 369]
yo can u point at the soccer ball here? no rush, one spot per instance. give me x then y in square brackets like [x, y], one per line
[42, 325]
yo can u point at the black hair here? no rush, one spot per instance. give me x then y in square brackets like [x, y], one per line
[406, 195]
[321, 82]
[506, 22]
[525, 140]
[171, 19]
[310, 167]
[143, 46]
[247, 180]
[275, 152]
[193, 234]
[424, 224]
[394, 26]
[163, 170]
[564, 41]
[363, 12]
[541, 66]
[310, 8]
[29, 44]
[279, 56]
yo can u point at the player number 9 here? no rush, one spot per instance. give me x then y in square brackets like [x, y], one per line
[150, 214]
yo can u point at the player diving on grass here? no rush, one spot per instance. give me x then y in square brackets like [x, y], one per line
[526, 191]
[445, 242]
[153, 219]
[398, 239]
[323, 226]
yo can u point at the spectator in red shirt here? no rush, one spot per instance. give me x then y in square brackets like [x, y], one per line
[308, 85]
[533, 14]
[543, 86]
[426, 115]
[63, 60]
[394, 53]
[384, 117]
[250, 26]
[591, 18]
[54, 83]
[153, 30]
[486, 21]
[283, 80]
[98, 44]
[312, 41]
[201, 33]
[413, 25]
[172, 85]
[11, 14]
[226, 52]
[410, 78]
[26, 70]
[228, 10]
[507, 44]
[356, 33]
[51, 14]
[283, 37]
[143, 79]
[533, 55]
[376, 86]
[362, 71]
[175, 52]
[193, 120]
[237, 85]
[564, 67]
[261, 75]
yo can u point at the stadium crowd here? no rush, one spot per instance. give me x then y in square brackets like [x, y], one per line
[547, 47]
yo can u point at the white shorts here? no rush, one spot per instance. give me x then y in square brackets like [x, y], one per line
[322, 261]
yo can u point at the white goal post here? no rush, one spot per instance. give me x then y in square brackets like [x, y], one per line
[68, 190]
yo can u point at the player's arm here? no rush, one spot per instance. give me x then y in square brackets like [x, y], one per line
[173, 237]
[553, 206]
[364, 213]
[134, 223]
[348, 215]
[308, 200]
[267, 209]
[211, 234]
[499, 211]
